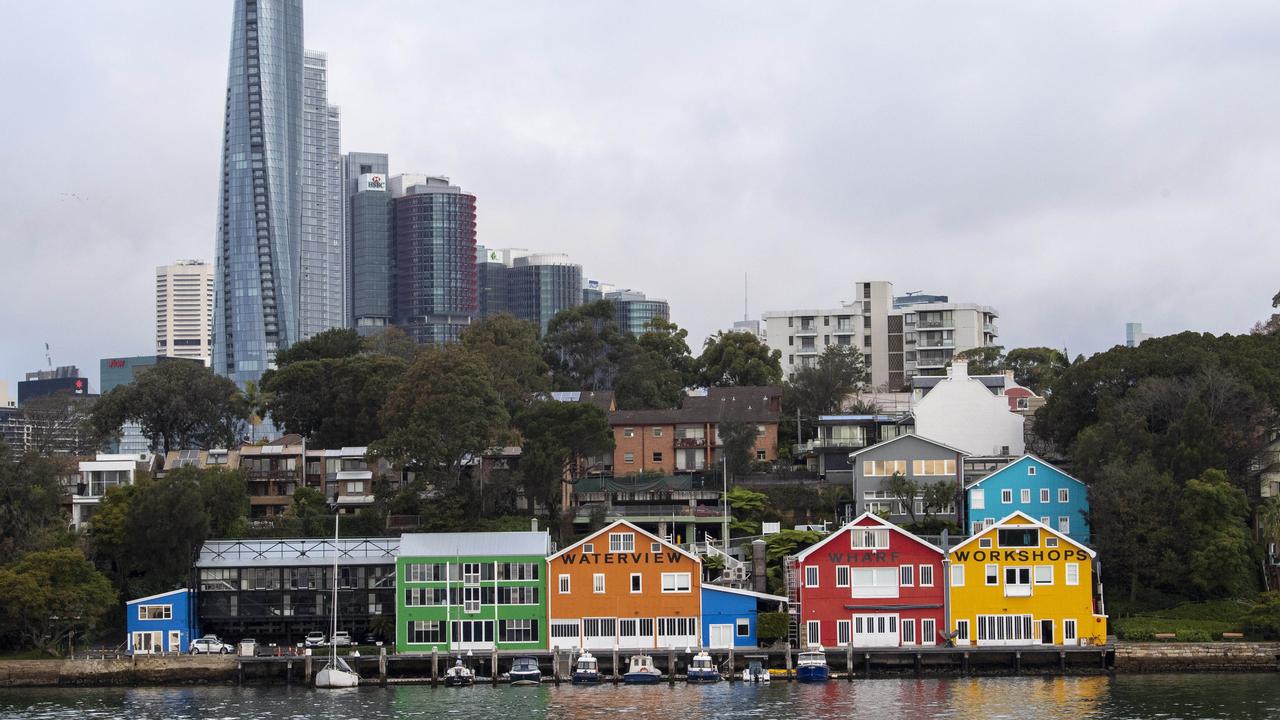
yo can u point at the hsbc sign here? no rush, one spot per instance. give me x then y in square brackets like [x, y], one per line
[372, 181]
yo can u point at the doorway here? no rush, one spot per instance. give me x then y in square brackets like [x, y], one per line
[1046, 632]
[175, 641]
[721, 636]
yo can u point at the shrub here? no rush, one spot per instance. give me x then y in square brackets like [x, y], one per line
[1195, 635]
[771, 627]
[1263, 619]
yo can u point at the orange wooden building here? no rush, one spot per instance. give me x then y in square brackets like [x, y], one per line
[623, 587]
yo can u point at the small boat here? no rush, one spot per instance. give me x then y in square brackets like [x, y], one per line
[459, 675]
[586, 670]
[337, 674]
[811, 666]
[524, 671]
[641, 671]
[702, 669]
[755, 672]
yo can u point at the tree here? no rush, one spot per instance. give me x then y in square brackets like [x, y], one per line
[905, 490]
[330, 344]
[669, 342]
[1133, 523]
[49, 597]
[178, 404]
[584, 347]
[258, 403]
[739, 442]
[167, 514]
[443, 412]
[739, 359]
[985, 360]
[822, 388]
[392, 342]
[31, 516]
[60, 424]
[647, 382]
[749, 508]
[1219, 554]
[557, 438]
[310, 512]
[225, 499]
[334, 402]
[510, 348]
[1036, 368]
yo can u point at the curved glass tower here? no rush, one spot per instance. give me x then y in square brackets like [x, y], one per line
[259, 244]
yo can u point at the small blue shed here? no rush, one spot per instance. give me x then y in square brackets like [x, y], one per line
[1032, 486]
[729, 615]
[164, 623]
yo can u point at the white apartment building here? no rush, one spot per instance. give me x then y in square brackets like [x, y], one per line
[900, 337]
[184, 310]
[99, 475]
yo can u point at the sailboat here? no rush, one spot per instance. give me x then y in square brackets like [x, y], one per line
[336, 673]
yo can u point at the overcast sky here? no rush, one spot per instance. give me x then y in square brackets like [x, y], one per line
[1076, 166]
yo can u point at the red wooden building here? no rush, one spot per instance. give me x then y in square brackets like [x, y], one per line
[869, 584]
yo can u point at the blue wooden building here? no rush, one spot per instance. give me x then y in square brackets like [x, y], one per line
[1032, 486]
[729, 615]
[164, 623]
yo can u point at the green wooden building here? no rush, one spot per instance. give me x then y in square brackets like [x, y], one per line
[471, 591]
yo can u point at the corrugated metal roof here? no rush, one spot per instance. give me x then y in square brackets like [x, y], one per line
[469, 544]
[292, 552]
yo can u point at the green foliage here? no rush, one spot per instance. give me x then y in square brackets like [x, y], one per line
[1220, 561]
[1036, 368]
[1263, 619]
[647, 382]
[739, 441]
[509, 347]
[739, 359]
[310, 513]
[393, 343]
[748, 508]
[49, 597]
[821, 389]
[771, 627]
[584, 347]
[669, 342]
[178, 405]
[334, 402]
[1145, 629]
[986, 360]
[31, 516]
[328, 345]
[906, 490]
[789, 542]
[1133, 523]
[557, 440]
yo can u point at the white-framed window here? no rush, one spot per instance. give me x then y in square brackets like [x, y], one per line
[1069, 635]
[622, 542]
[471, 599]
[884, 468]
[676, 582]
[874, 582]
[869, 538]
[977, 499]
[928, 631]
[962, 630]
[1044, 520]
[597, 583]
[907, 575]
[988, 522]
[842, 632]
[589, 549]
[1017, 582]
[566, 629]
[993, 574]
[926, 576]
[471, 573]
[1006, 496]
[628, 432]
[426, 631]
[1073, 573]
[518, 631]
[1044, 495]
[742, 627]
[1064, 524]
[1043, 575]
[812, 633]
[657, 432]
[984, 543]
[155, 612]
[355, 487]
[636, 583]
[1024, 496]
[762, 455]
[657, 457]
[957, 576]
[629, 458]
[811, 576]
[1031, 470]
[975, 527]
[655, 548]
[1064, 495]
[842, 576]
[908, 632]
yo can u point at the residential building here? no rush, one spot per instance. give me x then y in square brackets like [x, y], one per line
[63, 380]
[202, 459]
[471, 591]
[370, 242]
[687, 439]
[280, 589]
[1133, 335]
[623, 587]
[730, 616]
[869, 584]
[1031, 486]
[6, 400]
[921, 460]
[99, 475]
[634, 311]
[322, 283]
[435, 258]
[49, 427]
[260, 205]
[184, 310]
[272, 473]
[1021, 400]
[349, 478]
[114, 372]
[162, 623]
[899, 337]
[541, 285]
[837, 435]
[961, 411]
[1020, 582]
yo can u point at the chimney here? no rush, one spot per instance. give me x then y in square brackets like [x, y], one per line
[959, 369]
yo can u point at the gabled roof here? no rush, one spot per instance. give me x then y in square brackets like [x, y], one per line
[740, 591]
[854, 523]
[638, 530]
[1024, 521]
[471, 544]
[157, 596]
[879, 445]
[1046, 463]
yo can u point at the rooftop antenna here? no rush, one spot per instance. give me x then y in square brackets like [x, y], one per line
[746, 316]
[47, 357]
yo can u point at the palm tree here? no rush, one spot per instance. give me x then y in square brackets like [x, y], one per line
[257, 400]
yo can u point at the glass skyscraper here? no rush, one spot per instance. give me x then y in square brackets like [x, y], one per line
[541, 285]
[322, 298]
[435, 258]
[259, 239]
[370, 241]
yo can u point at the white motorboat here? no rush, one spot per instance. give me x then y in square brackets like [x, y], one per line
[587, 670]
[755, 671]
[336, 673]
[459, 675]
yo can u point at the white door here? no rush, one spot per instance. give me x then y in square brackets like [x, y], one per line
[175, 641]
[601, 634]
[875, 630]
[721, 636]
[146, 643]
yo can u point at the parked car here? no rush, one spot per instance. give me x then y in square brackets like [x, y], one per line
[314, 639]
[210, 644]
[341, 638]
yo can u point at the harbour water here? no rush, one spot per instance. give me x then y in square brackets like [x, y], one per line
[1168, 697]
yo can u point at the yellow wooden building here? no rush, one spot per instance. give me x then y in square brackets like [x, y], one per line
[1020, 582]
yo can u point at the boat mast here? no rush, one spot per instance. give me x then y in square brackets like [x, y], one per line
[333, 648]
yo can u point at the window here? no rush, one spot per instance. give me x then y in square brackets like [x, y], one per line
[812, 634]
[597, 583]
[984, 543]
[657, 432]
[1020, 537]
[870, 538]
[1064, 495]
[1064, 524]
[1050, 542]
[1006, 496]
[842, 576]
[355, 487]
[926, 576]
[517, 595]
[842, 632]
[1044, 574]
[657, 457]
[1044, 495]
[628, 432]
[629, 458]
[993, 574]
[975, 527]
[743, 627]
[426, 631]
[622, 542]
[675, 582]
[1073, 573]
[1069, 631]
[1031, 470]
[471, 573]
[589, 549]
[155, 612]
[677, 626]
[875, 582]
[928, 631]
[907, 574]
[761, 455]
[957, 576]
[564, 584]
[977, 499]
[962, 630]
[884, 468]
[988, 522]
[908, 632]
[811, 576]
[471, 599]
[518, 631]
[1017, 582]
[655, 548]
[599, 627]
[1025, 495]
[635, 582]
[565, 629]
[933, 467]
[1044, 519]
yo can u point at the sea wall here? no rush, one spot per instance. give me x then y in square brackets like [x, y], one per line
[140, 670]
[1196, 657]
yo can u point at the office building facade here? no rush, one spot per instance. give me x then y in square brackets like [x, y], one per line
[541, 285]
[634, 311]
[370, 241]
[435, 258]
[322, 284]
[184, 310]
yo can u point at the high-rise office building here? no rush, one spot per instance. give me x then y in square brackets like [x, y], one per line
[184, 310]
[322, 283]
[491, 282]
[370, 242]
[1134, 336]
[114, 372]
[435, 259]
[260, 204]
[541, 285]
[634, 311]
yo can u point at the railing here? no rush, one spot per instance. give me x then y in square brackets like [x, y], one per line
[818, 443]
[624, 511]
[934, 324]
[690, 442]
[806, 331]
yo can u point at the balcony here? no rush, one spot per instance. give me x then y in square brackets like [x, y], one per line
[811, 350]
[925, 344]
[687, 443]
[935, 325]
[990, 329]
[827, 444]
[807, 331]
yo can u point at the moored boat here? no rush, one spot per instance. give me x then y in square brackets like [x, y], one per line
[811, 666]
[755, 671]
[641, 671]
[524, 671]
[459, 675]
[336, 673]
[586, 670]
[702, 669]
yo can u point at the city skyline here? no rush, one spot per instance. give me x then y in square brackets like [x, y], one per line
[1093, 192]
